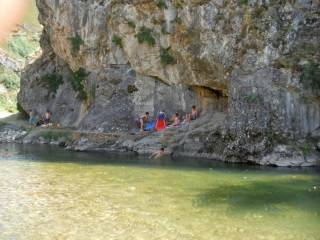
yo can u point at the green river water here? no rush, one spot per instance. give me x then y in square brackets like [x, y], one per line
[49, 193]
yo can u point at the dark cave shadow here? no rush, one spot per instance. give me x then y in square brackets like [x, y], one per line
[264, 196]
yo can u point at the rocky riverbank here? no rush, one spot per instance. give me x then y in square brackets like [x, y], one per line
[251, 67]
[200, 139]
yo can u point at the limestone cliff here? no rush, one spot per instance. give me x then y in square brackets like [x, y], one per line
[257, 62]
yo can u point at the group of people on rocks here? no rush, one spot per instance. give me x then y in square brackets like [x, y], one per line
[42, 120]
[147, 123]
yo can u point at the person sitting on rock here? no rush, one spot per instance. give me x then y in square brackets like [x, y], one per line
[194, 113]
[161, 121]
[176, 120]
[149, 124]
[157, 154]
[32, 118]
[46, 120]
[186, 119]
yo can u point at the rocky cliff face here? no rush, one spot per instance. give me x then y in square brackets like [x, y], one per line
[106, 61]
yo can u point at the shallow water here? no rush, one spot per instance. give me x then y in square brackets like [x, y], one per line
[48, 193]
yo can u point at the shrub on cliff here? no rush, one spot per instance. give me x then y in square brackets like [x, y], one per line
[162, 4]
[76, 43]
[117, 41]
[77, 80]
[310, 76]
[52, 81]
[166, 57]
[145, 35]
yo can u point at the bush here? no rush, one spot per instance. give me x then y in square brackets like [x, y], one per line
[7, 104]
[310, 76]
[54, 136]
[77, 80]
[178, 5]
[305, 149]
[24, 114]
[9, 79]
[117, 41]
[21, 46]
[178, 20]
[161, 4]
[243, 2]
[131, 24]
[166, 57]
[145, 35]
[76, 43]
[52, 81]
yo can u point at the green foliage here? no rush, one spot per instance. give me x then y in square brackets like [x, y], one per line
[54, 136]
[252, 99]
[243, 2]
[52, 81]
[162, 4]
[9, 79]
[305, 149]
[7, 104]
[145, 35]
[310, 77]
[178, 20]
[21, 110]
[178, 5]
[21, 46]
[166, 57]
[77, 80]
[117, 41]
[75, 43]
[131, 24]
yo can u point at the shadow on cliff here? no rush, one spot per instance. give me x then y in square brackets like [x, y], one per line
[270, 195]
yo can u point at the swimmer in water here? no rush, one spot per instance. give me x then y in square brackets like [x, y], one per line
[157, 154]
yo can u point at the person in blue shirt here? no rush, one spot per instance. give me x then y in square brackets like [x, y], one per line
[32, 118]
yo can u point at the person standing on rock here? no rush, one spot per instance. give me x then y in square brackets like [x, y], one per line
[194, 113]
[144, 121]
[47, 117]
[32, 118]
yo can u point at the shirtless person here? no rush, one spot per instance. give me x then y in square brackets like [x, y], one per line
[157, 154]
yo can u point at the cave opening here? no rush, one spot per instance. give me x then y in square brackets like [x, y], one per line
[210, 100]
